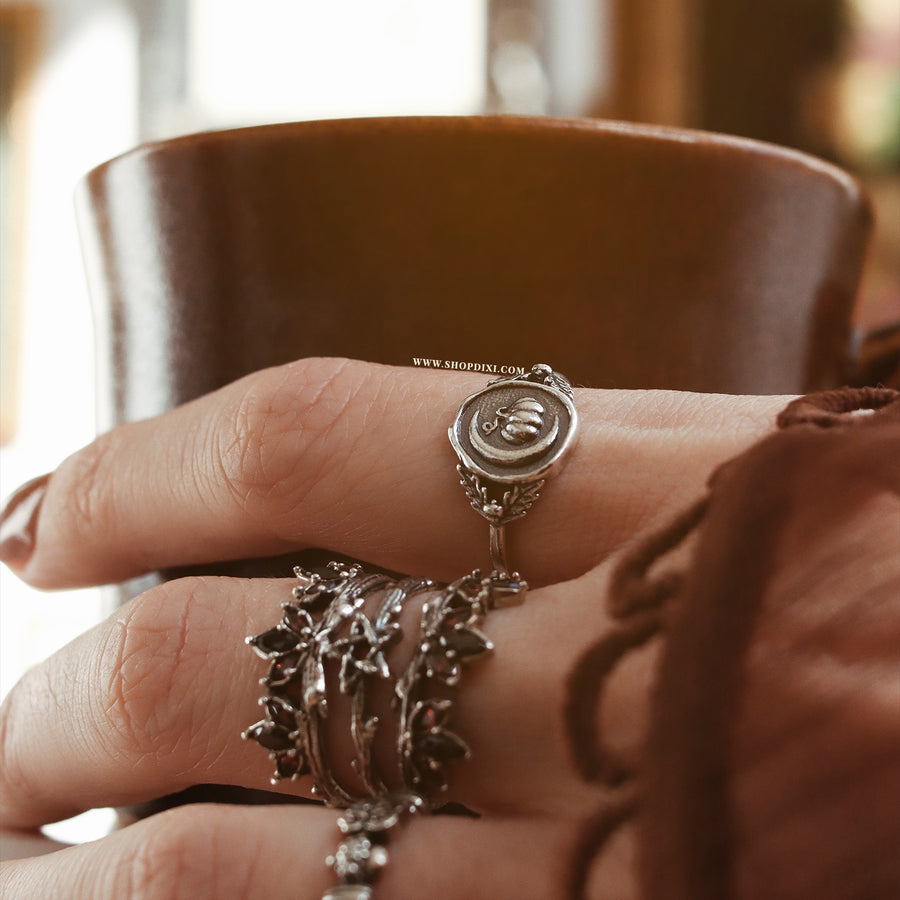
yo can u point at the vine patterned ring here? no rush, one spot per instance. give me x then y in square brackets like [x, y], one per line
[449, 640]
[297, 649]
[509, 437]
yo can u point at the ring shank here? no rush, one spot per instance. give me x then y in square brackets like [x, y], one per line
[498, 549]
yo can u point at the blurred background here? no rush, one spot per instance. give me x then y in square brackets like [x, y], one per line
[84, 80]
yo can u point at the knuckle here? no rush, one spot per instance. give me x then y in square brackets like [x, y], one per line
[12, 772]
[20, 780]
[90, 513]
[280, 441]
[147, 659]
[190, 853]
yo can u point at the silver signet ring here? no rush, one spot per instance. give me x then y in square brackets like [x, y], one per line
[509, 437]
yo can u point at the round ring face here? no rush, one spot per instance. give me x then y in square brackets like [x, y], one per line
[513, 431]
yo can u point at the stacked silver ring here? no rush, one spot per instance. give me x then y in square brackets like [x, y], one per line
[449, 638]
[297, 649]
[508, 437]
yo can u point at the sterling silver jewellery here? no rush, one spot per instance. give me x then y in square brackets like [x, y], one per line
[297, 649]
[327, 621]
[509, 436]
[449, 639]
[335, 637]
[363, 852]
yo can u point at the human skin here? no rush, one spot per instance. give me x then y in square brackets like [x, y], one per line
[353, 457]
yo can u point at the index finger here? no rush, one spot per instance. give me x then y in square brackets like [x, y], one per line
[354, 458]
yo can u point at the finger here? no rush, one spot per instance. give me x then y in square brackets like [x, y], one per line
[20, 844]
[354, 457]
[237, 853]
[153, 701]
[147, 703]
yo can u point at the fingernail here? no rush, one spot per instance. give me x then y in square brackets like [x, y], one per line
[18, 521]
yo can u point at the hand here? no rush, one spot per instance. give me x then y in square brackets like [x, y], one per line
[352, 457]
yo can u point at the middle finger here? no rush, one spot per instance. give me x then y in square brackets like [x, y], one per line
[153, 701]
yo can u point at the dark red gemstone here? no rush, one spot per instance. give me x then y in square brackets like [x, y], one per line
[320, 595]
[270, 736]
[280, 712]
[439, 663]
[441, 746]
[428, 717]
[289, 764]
[275, 640]
[284, 669]
[296, 619]
[460, 605]
[467, 643]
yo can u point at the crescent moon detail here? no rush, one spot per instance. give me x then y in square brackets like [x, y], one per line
[510, 457]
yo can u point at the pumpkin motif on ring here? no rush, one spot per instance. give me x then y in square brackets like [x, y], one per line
[519, 423]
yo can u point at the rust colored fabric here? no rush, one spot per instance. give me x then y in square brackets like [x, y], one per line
[878, 359]
[774, 765]
[772, 768]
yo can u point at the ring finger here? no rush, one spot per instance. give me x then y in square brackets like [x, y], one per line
[235, 853]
